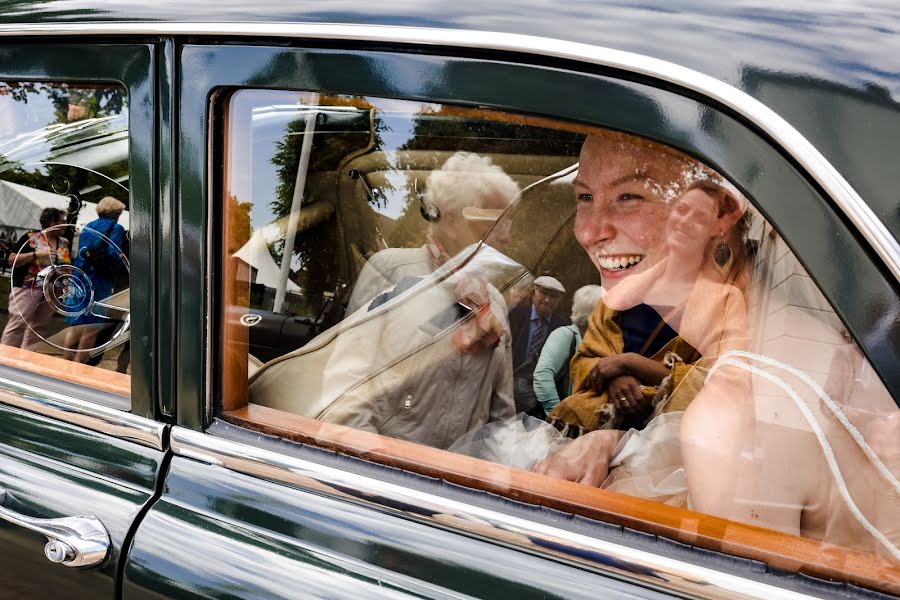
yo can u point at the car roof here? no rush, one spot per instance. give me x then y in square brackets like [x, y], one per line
[831, 70]
[854, 43]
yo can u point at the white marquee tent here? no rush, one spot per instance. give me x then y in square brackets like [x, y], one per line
[21, 206]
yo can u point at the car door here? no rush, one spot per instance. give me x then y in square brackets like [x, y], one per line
[269, 497]
[80, 449]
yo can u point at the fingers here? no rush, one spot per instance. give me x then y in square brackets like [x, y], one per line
[541, 466]
[627, 403]
[620, 396]
[635, 397]
[585, 460]
[568, 463]
[626, 395]
[586, 463]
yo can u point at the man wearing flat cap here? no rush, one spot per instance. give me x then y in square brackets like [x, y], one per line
[530, 324]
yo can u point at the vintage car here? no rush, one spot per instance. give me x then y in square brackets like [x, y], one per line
[186, 411]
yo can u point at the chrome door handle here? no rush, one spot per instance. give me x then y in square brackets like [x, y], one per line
[72, 541]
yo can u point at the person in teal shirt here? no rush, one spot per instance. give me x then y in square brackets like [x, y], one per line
[551, 374]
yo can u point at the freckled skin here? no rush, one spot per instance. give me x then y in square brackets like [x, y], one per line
[618, 219]
[626, 189]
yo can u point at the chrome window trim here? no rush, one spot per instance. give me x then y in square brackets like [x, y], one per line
[637, 566]
[791, 141]
[109, 421]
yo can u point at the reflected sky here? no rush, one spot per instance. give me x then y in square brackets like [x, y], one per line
[18, 117]
[841, 39]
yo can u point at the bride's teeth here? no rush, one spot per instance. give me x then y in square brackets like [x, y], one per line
[618, 263]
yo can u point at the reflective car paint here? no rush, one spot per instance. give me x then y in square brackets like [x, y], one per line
[776, 53]
[436, 76]
[50, 469]
[807, 61]
[260, 539]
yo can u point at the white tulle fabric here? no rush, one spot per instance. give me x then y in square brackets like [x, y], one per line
[519, 441]
[647, 463]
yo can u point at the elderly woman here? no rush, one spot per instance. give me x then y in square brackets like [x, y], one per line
[467, 194]
[551, 374]
[424, 354]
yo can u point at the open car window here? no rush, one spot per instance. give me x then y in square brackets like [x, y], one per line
[64, 232]
[567, 315]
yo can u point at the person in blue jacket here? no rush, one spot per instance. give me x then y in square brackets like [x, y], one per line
[100, 258]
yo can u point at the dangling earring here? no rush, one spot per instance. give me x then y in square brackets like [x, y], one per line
[722, 255]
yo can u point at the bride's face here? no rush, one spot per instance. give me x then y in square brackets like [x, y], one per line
[622, 208]
[644, 228]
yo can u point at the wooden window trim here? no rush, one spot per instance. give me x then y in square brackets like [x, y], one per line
[67, 370]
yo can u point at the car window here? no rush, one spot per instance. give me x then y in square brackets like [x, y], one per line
[64, 226]
[559, 313]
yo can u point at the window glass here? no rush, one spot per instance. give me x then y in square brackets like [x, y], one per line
[565, 314]
[64, 232]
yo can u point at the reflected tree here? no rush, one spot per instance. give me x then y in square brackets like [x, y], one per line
[71, 103]
[315, 264]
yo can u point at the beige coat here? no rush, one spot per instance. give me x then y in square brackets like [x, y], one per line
[392, 371]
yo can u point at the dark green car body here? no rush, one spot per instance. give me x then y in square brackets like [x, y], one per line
[190, 524]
